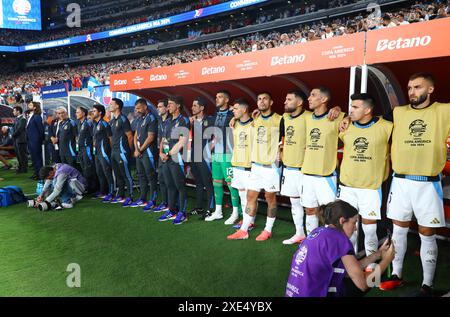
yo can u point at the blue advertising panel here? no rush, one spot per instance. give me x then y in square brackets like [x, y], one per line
[55, 91]
[183, 17]
[103, 96]
[20, 14]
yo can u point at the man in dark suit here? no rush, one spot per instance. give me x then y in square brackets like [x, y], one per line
[35, 136]
[20, 139]
[53, 146]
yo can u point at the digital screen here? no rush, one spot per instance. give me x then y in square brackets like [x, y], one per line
[183, 17]
[20, 14]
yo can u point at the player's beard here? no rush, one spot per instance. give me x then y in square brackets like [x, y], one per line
[421, 99]
[289, 110]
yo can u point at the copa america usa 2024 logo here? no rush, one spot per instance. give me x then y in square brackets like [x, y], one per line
[21, 7]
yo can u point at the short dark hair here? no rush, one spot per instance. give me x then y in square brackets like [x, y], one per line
[298, 94]
[332, 212]
[201, 101]
[225, 92]
[141, 101]
[83, 109]
[163, 101]
[118, 102]
[325, 91]
[265, 93]
[427, 76]
[45, 171]
[177, 99]
[100, 108]
[366, 98]
[19, 109]
[242, 102]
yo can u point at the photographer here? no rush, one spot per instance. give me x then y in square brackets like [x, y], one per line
[6, 145]
[63, 181]
[326, 257]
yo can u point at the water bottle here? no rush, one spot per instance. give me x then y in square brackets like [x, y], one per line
[166, 147]
[39, 187]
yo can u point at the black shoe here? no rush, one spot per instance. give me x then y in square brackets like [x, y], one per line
[34, 177]
[205, 214]
[6, 167]
[196, 211]
[425, 291]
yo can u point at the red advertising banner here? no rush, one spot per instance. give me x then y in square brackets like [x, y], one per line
[414, 41]
[332, 53]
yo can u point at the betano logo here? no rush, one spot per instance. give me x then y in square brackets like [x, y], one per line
[401, 43]
[213, 70]
[158, 77]
[287, 60]
[120, 82]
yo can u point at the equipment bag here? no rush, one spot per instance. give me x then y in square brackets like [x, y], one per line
[11, 195]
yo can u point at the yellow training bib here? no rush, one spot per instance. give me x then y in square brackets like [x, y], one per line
[419, 139]
[365, 154]
[294, 139]
[266, 135]
[321, 145]
[242, 137]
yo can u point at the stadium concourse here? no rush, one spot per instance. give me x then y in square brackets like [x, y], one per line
[164, 154]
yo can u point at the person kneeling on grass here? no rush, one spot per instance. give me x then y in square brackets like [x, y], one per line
[325, 262]
[64, 182]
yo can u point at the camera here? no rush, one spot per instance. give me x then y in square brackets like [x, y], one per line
[46, 206]
[31, 203]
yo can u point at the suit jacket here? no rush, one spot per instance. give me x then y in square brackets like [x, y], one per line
[35, 130]
[19, 130]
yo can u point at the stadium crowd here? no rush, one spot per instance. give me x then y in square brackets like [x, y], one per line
[153, 12]
[29, 82]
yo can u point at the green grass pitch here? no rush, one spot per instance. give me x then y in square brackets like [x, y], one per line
[124, 252]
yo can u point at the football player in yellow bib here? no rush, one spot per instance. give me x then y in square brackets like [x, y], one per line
[319, 164]
[241, 159]
[418, 157]
[293, 128]
[363, 168]
[265, 172]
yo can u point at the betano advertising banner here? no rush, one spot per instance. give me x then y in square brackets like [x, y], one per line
[332, 53]
[415, 41]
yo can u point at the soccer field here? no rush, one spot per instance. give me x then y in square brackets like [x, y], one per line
[124, 252]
